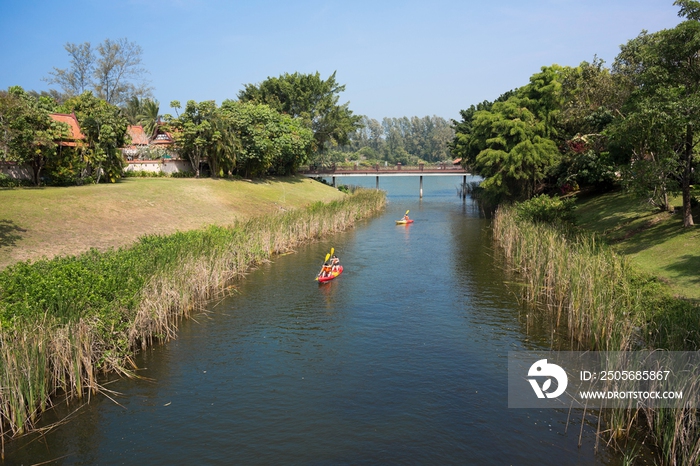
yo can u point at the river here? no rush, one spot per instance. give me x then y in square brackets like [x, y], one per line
[401, 360]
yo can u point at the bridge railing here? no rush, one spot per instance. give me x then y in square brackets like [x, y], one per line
[378, 168]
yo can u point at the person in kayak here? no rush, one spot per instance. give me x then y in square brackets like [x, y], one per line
[335, 262]
[405, 217]
[326, 270]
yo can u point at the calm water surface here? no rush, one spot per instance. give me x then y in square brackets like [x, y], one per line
[400, 360]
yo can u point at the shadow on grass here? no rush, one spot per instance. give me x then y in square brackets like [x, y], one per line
[9, 233]
[648, 236]
[293, 179]
[610, 211]
[687, 266]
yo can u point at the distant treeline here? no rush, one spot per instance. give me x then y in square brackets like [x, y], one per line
[405, 140]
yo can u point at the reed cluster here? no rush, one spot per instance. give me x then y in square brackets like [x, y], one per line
[66, 320]
[580, 285]
[577, 281]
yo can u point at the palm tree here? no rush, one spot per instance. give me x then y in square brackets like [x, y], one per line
[132, 110]
[226, 147]
[149, 117]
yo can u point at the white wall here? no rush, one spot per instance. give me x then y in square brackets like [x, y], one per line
[24, 172]
[17, 172]
[163, 165]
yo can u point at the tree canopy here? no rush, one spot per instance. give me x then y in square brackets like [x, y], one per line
[104, 128]
[405, 140]
[511, 141]
[590, 126]
[311, 99]
[113, 71]
[659, 122]
[245, 138]
[27, 132]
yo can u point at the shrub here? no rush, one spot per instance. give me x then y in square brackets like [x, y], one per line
[7, 181]
[546, 209]
[185, 174]
[143, 174]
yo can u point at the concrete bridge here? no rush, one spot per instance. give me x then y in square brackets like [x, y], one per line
[377, 171]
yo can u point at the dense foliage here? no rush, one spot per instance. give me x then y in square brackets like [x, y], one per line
[240, 138]
[29, 136]
[546, 209]
[311, 99]
[27, 132]
[594, 127]
[104, 128]
[399, 140]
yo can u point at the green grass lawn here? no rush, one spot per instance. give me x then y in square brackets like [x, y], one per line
[37, 222]
[654, 241]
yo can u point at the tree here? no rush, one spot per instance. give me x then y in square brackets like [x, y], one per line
[664, 69]
[313, 100]
[132, 110]
[516, 155]
[543, 97]
[118, 71]
[268, 142]
[464, 145]
[104, 128]
[27, 132]
[592, 98]
[78, 78]
[511, 142]
[149, 117]
[196, 134]
[113, 71]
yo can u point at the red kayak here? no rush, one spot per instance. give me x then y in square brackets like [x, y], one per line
[404, 222]
[333, 274]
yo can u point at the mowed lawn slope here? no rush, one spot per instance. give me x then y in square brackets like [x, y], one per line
[45, 222]
[655, 241]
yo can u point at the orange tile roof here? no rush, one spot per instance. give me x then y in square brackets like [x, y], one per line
[138, 135]
[72, 122]
[162, 138]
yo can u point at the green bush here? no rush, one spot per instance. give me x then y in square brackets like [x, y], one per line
[144, 174]
[7, 181]
[185, 174]
[546, 209]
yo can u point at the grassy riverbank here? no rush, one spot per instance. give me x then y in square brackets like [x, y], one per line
[578, 284]
[654, 241]
[51, 221]
[67, 319]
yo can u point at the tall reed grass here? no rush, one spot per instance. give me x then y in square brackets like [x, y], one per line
[578, 284]
[63, 321]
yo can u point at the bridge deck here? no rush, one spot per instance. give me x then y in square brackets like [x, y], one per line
[394, 172]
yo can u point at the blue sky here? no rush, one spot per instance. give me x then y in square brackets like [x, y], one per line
[396, 58]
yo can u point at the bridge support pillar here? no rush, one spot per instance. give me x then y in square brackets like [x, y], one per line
[377, 182]
[421, 186]
[464, 179]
